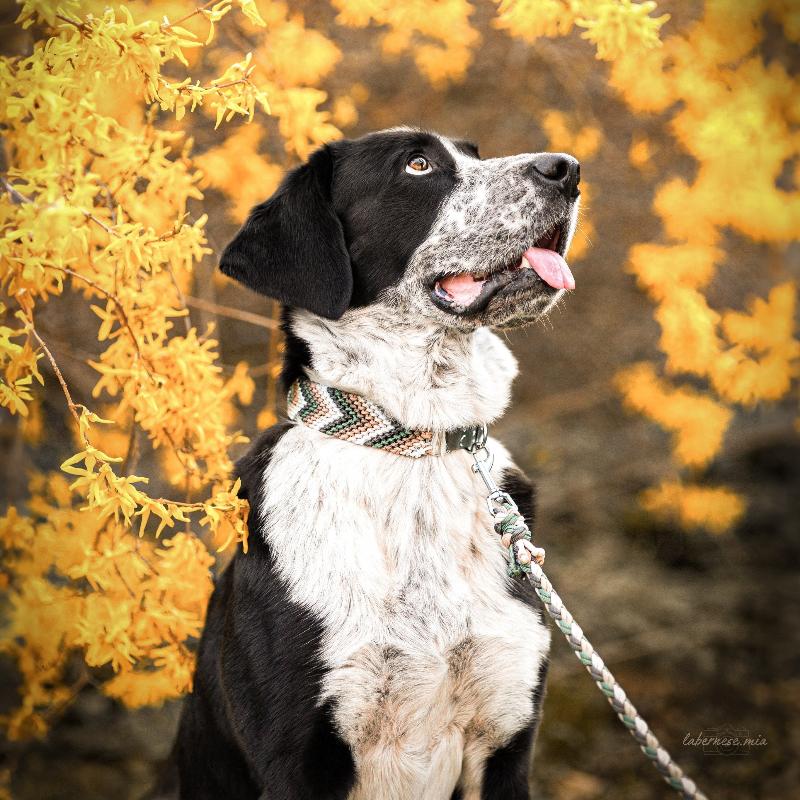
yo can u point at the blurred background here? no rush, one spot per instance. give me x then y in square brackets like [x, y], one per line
[669, 498]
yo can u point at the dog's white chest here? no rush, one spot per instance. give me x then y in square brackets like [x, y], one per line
[432, 663]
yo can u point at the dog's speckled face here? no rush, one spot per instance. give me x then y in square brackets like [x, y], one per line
[419, 221]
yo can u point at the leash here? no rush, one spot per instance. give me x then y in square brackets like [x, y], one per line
[525, 560]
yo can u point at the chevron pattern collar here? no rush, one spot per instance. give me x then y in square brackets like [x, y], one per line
[356, 419]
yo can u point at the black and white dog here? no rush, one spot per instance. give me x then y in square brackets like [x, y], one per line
[370, 645]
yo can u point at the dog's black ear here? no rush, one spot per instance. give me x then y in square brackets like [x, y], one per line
[292, 246]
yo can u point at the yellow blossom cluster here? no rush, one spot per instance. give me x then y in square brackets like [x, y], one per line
[441, 37]
[613, 26]
[697, 421]
[78, 581]
[715, 508]
[94, 208]
[737, 116]
[437, 32]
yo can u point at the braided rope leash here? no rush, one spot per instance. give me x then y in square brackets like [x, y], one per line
[524, 559]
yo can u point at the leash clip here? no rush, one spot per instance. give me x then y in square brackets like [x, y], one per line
[508, 522]
[483, 467]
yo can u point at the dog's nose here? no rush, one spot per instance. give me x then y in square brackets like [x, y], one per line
[559, 170]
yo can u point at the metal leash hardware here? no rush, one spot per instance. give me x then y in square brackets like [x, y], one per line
[509, 523]
[525, 560]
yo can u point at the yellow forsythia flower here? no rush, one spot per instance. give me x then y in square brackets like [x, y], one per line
[716, 509]
[697, 422]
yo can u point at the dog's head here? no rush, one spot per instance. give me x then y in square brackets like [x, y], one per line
[418, 221]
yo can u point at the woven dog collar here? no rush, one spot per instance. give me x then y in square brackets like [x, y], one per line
[356, 419]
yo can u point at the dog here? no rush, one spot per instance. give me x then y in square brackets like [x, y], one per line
[370, 644]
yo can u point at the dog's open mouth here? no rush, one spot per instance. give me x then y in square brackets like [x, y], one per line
[470, 293]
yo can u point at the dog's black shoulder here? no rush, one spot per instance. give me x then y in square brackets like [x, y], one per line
[250, 467]
[522, 491]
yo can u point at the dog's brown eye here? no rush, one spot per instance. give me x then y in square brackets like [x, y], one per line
[418, 165]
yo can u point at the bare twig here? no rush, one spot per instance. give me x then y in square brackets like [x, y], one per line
[228, 84]
[55, 711]
[232, 313]
[187, 323]
[199, 10]
[132, 453]
[260, 371]
[73, 408]
[110, 296]
[124, 582]
[82, 26]
[110, 202]
[98, 221]
[188, 495]
[13, 193]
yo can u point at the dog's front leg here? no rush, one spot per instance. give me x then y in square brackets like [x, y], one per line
[271, 677]
[320, 769]
[253, 726]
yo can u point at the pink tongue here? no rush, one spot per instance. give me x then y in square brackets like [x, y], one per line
[550, 267]
[462, 288]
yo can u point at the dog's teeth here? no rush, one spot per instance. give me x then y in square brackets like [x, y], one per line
[440, 292]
